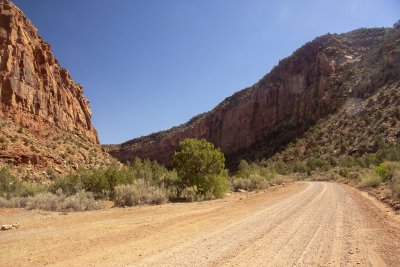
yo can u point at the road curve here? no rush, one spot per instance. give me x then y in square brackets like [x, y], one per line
[304, 224]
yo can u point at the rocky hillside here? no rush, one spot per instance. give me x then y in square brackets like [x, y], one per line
[316, 81]
[360, 127]
[39, 103]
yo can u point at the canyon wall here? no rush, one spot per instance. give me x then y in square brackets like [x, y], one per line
[260, 120]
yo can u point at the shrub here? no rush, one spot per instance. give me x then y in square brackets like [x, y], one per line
[344, 172]
[81, 201]
[244, 169]
[14, 202]
[395, 183]
[370, 179]
[200, 164]
[314, 163]
[282, 168]
[298, 166]
[9, 184]
[190, 194]
[348, 162]
[280, 179]
[100, 182]
[31, 189]
[249, 184]
[125, 195]
[152, 172]
[46, 201]
[138, 193]
[216, 186]
[70, 184]
[386, 169]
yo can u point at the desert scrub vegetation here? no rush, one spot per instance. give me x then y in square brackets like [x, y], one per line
[138, 178]
[250, 177]
[389, 172]
[199, 175]
[369, 178]
[20, 194]
[139, 193]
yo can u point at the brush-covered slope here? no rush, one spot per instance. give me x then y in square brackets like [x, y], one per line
[360, 127]
[316, 81]
[39, 103]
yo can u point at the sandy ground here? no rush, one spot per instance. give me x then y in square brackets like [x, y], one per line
[304, 224]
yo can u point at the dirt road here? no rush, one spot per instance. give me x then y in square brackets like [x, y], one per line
[304, 224]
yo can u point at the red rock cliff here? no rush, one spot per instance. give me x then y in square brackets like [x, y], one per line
[305, 87]
[34, 89]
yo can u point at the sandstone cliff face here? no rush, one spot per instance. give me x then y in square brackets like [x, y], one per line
[45, 121]
[305, 87]
[34, 89]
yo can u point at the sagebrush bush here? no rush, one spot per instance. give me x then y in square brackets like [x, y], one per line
[280, 179]
[189, 194]
[370, 179]
[386, 169]
[81, 201]
[251, 183]
[45, 201]
[124, 195]
[239, 183]
[14, 202]
[138, 193]
[395, 184]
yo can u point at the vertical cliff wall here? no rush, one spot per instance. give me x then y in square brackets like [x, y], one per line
[34, 89]
[45, 121]
[307, 86]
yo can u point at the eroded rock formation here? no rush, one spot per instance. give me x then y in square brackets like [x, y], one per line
[45, 121]
[34, 89]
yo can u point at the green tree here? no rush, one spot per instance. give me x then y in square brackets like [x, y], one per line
[199, 164]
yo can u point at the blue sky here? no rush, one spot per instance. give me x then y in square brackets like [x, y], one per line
[148, 65]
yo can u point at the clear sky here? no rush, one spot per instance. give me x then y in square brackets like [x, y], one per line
[148, 65]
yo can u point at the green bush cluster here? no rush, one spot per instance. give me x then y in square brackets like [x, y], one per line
[250, 183]
[390, 172]
[10, 186]
[102, 182]
[250, 177]
[309, 165]
[200, 166]
[200, 174]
